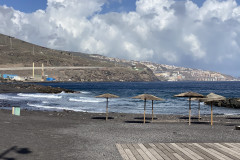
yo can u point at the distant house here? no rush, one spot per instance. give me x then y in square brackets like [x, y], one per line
[9, 76]
[50, 79]
[12, 77]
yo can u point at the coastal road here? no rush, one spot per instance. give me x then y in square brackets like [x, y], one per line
[55, 68]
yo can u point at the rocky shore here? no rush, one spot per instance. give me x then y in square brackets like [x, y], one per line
[30, 88]
[230, 103]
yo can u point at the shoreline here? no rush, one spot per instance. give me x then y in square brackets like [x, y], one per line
[136, 116]
[7, 104]
[89, 112]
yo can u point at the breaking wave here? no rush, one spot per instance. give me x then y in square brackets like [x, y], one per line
[55, 108]
[85, 92]
[50, 96]
[86, 100]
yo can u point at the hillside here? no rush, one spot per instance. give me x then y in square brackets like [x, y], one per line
[173, 73]
[17, 53]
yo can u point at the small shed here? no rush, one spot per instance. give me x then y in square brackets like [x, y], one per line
[9, 76]
[50, 79]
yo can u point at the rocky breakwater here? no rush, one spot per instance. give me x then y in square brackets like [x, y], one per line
[229, 102]
[30, 88]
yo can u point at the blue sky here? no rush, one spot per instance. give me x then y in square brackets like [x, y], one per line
[26, 6]
[29, 6]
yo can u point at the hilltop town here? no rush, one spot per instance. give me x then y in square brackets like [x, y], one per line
[173, 73]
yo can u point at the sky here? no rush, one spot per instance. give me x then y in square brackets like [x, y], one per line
[202, 34]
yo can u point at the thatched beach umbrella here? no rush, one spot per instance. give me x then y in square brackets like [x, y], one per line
[107, 96]
[190, 95]
[146, 97]
[212, 97]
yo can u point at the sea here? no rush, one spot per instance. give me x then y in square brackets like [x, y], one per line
[84, 100]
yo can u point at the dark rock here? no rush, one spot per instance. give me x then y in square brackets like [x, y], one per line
[229, 102]
[30, 88]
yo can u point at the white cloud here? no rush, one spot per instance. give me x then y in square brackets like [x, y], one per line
[194, 46]
[166, 31]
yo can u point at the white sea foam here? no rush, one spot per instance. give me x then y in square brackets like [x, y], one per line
[86, 99]
[18, 97]
[230, 114]
[55, 108]
[5, 97]
[37, 95]
[85, 92]
[45, 102]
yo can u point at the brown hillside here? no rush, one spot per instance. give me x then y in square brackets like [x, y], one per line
[18, 53]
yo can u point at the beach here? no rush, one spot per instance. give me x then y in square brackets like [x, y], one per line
[81, 135]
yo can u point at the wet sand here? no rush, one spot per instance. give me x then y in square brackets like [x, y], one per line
[77, 135]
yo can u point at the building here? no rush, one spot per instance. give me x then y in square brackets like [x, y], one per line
[12, 77]
[50, 79]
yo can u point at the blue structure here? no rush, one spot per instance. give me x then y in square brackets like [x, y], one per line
[9, 76]
[50, 79]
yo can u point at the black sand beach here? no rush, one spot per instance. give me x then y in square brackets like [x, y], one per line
[78, 135]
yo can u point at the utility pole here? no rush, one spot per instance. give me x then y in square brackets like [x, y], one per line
[33, 70]
[43, 72]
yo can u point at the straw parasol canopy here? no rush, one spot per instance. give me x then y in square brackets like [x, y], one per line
[146, 97]
[212, 97]
[190, 95]
[107, 96]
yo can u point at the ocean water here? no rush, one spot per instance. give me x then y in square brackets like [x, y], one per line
[85, 101]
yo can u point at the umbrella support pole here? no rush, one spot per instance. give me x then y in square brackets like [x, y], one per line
[107, 110]
[144, 118]
[199, 111]
[189, 111]
[152, 110]
[211, 115]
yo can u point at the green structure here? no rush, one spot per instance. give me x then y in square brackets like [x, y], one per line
[16, 111]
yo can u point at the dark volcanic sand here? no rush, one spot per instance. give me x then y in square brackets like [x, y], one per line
[75, 135]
